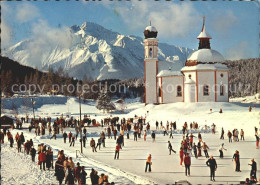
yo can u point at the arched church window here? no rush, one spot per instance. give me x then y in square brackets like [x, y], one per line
[150, 53]
[205, 90]
[221, 90]
[179, 90]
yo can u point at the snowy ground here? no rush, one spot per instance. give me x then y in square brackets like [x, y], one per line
[129, 169]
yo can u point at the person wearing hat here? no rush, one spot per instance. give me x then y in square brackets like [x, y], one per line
[83, 175]
[101, 179]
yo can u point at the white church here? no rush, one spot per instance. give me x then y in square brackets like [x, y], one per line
[204, 78]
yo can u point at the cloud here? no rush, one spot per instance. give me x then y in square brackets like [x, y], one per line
[45, 38]
[239, 51]
[6, 34]
[170, 19]
[224, 21]
[26, 12]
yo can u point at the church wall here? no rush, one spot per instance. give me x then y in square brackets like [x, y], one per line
[224, 81]
[192, 90]
[206, 78]
[150, 79]
[169, 87]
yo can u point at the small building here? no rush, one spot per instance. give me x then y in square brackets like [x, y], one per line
[6, 121]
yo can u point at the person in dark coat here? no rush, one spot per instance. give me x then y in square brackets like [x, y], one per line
[77, 171]
[253, 169]
[94, 177]
[33, 153]
[11, 139]
[65, 135]
[153, 136]
[187, 163]
[237, 160]
[170, 148]
[49, 159]
[69, 178]
[213, 167]
[59, 170]
[84, 140]
[83, 175]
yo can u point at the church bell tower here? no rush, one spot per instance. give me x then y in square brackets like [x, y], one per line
[150, 64]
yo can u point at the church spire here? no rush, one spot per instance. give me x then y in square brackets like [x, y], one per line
[204, 37]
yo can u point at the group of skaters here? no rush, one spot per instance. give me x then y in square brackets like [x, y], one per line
[65, 169]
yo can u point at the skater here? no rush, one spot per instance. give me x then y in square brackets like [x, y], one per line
[59, 170]
[199, 149]
[69, 179]
[145, 135]
[181, 155]
[54, 134]
[222, 133]
[229, 134]
[253, 169]
[70, 136]
[117, 151]
[115, 133]
[257, 141]
[148, 163]
[194, 147]
[187, 163]
[242, 134]
[19, 144]
[65, 136]
[237, 160]
[171, 136]
[157, 125]
[72, 140]
[135, 135]
[99, 143]
[170, 148]
[153, 136]
[213, 167]
[83, 175]
[93, 144]
[221, 150]
[11, 139]
[33, 153]
[84, 140]
[205, 149]
[42, 159]
[77, 171]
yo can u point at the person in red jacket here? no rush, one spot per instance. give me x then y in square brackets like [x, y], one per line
[181, 155]
[187, 163]
[42, 159]
[117, 151]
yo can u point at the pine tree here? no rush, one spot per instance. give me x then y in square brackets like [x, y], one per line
[104, 102]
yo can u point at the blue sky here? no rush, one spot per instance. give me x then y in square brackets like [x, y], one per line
[233, 25]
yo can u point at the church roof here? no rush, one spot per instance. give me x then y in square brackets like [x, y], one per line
[206, 56]
[167, 68]
[216, 66]
[203, 33]
[169, 73]
[151, 28]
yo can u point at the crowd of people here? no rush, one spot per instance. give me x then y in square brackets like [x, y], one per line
[65, 168]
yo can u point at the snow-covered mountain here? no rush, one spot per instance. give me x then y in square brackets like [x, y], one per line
[94, 51]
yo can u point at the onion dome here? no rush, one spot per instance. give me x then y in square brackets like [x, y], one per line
[150, 32]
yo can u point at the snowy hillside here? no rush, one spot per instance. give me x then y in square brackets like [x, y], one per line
[92, 50]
